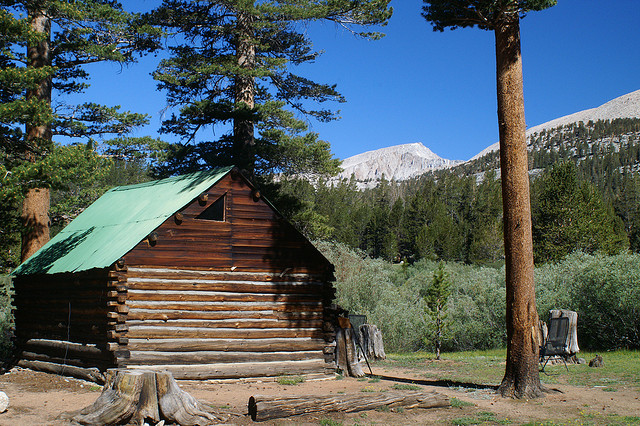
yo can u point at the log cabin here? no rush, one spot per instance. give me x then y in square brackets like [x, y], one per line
[196, 274]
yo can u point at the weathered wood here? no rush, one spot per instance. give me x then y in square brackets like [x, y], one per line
[372, 342]
[90, 374]
[210, 357]
[341, 352]
[250, 345]
[216, 296]
[229, 323]
[138, 396]
[61, 348]
[260, 277]
[267, 407]
[221, 306]
[354, 367]
[69, 360]
[139, 332]
[178, 406]
[239, 369]
[136, 314]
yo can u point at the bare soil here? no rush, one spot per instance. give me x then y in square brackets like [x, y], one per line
[39, 399]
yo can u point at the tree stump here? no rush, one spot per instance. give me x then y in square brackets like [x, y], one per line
[135, 396]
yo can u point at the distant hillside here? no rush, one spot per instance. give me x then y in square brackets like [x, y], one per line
[625, 106]
[398, 162]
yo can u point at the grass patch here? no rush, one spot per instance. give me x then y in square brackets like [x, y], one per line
[458, 403]
[330, 422]
[374, 379]
[290, 380]
[480, 418]
[368, 389]
[404, 386]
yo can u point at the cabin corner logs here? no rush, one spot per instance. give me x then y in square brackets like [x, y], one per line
[224, 288]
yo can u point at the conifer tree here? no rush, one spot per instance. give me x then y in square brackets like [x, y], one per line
[231, 73]
[436, 296]
[522, 379]
[46, 45]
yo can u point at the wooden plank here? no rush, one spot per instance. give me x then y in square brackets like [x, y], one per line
[212, 357]
[207, 344]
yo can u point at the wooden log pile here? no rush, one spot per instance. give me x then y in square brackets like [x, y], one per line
[371, 340]
[263, 407]
[138, 396]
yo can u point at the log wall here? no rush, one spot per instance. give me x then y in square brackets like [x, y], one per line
[213, 324]
[74, 320]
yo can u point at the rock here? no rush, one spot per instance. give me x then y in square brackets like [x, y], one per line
[582, 361]
[4, 402]
[596, 361]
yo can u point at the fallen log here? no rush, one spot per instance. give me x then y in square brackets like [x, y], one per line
[267, 407]
[138, 396]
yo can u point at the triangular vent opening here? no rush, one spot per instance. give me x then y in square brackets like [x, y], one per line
[215, 211]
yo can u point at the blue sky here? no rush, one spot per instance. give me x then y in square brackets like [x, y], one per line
[417, 85]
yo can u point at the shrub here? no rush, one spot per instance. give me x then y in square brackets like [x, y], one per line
[6, 317]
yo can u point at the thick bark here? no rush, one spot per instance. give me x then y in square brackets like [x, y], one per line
[521, 379]
[35, 207]
[243, 126]
[35, 221]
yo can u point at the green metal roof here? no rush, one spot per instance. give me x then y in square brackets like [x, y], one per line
[116, 222]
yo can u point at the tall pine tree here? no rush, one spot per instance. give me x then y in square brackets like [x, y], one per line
[231, 73]
[521, 379]
[47, 44]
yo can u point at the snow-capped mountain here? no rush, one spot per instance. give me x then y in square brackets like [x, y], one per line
[625, 106]
[398, 162]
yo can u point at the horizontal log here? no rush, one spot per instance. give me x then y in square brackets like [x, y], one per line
[57, 348]
[215, 296]
[268, 407]
[90, 374]
[203, 344]
[71, 361]
[229, 323]
[222, 306]
[239, 370]
[220, 333]
[239, 287]
[166, 273]
[213, 357]
[162, 314]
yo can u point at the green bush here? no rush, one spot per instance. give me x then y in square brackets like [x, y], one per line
[6, 318]
[604, 290]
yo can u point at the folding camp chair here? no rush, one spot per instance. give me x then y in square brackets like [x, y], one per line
[556, 345]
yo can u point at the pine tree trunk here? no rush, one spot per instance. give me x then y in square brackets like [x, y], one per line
[243, 124]
[521, 379]
[35, 207]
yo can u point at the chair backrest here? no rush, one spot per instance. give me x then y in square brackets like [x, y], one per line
[557, 338]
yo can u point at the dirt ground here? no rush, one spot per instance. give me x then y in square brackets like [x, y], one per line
[39, 399]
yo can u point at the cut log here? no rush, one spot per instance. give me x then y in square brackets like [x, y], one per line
[139, 396]
[264, 407]
[90, 374]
